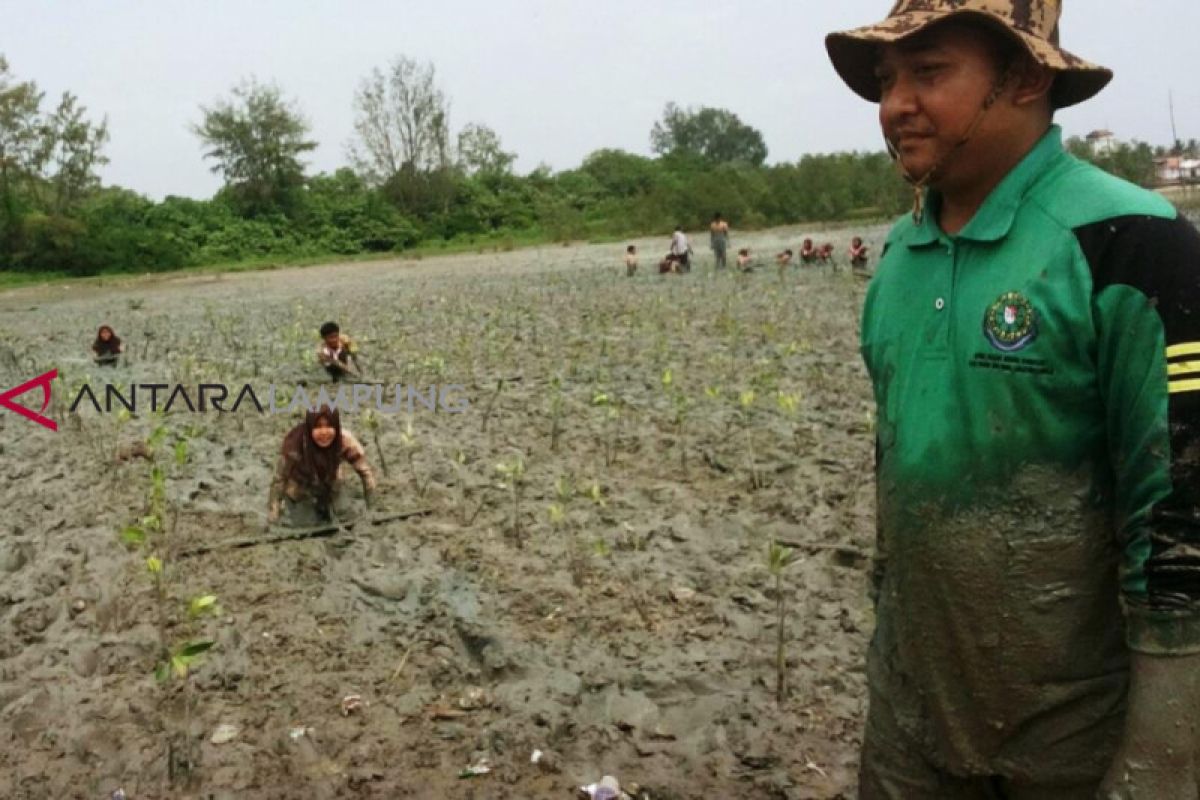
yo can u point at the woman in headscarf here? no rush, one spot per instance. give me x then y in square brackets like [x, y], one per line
[107, 347]
[309, 468]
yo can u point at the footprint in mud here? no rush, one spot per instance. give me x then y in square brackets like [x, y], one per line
[14, 556]
[386, 584]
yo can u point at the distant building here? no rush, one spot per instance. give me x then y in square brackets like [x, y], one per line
[1102, 142]
[1170, 170]
[1167, 169]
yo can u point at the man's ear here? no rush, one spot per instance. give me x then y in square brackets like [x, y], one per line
[1033, 82]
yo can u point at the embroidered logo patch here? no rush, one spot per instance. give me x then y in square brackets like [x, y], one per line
[1010, 323]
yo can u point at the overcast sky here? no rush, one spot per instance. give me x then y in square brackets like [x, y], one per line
[556, 79]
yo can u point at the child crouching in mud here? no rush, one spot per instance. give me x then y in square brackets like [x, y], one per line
[743, 260]
[107, 348]
[308, 473]
[337, 353]
[783, 260]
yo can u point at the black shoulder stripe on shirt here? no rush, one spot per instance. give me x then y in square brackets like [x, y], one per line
[1161, 259]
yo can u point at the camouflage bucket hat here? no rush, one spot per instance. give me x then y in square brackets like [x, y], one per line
[1033, 23]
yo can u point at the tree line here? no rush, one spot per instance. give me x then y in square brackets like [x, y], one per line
[409, 181]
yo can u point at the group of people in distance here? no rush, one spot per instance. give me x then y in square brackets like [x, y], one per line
[678, 259]
[679, 255]
[812, 255]
[308, 473]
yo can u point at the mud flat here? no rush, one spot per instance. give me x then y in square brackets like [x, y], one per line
[676, 424]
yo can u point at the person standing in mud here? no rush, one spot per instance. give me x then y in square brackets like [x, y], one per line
[107, 348]
[631, 261]
[718, 239]
[308, 473]
[1033, 336]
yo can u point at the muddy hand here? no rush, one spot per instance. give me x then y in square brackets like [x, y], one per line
[1156, 759]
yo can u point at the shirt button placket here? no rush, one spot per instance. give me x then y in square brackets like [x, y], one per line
[940, 302]
[944, 296]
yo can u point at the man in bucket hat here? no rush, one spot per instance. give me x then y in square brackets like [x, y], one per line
[1033, 337]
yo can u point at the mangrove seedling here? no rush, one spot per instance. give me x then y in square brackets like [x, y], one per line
[745, 404]
[595, 494]
[563, 491]
[556, 409]
[613, 416]
[372, 422]
[178, 662]
[789, 404]
[409, 439]
[487, 412]
[779, 558]
[577, 557]
[513, 477]
[682, 404]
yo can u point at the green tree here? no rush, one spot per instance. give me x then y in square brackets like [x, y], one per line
[74, 151]
[342, 215]
[480, 152]
[48, 167]
[1133, 161]
[22, 150]
[716, 135]
[622, 174]
[401, 118]
[255, 140]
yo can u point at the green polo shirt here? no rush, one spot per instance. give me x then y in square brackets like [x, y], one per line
[1037, 379]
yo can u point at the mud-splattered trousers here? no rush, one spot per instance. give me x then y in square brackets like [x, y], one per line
[1037, 379]
[718, 240]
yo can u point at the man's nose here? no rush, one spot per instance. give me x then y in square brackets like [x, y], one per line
[898, 99]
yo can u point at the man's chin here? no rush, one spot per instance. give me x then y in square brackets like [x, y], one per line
[916, 167]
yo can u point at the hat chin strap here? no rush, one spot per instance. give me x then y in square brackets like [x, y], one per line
[919, 184]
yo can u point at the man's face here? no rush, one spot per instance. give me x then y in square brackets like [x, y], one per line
[932, 88]
[332, 340]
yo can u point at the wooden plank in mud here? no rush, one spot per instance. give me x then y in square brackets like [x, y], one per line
[277, 535]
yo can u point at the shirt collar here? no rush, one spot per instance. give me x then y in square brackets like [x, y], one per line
[994, 218]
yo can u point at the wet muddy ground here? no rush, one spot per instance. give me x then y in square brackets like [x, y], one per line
[614, 611]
